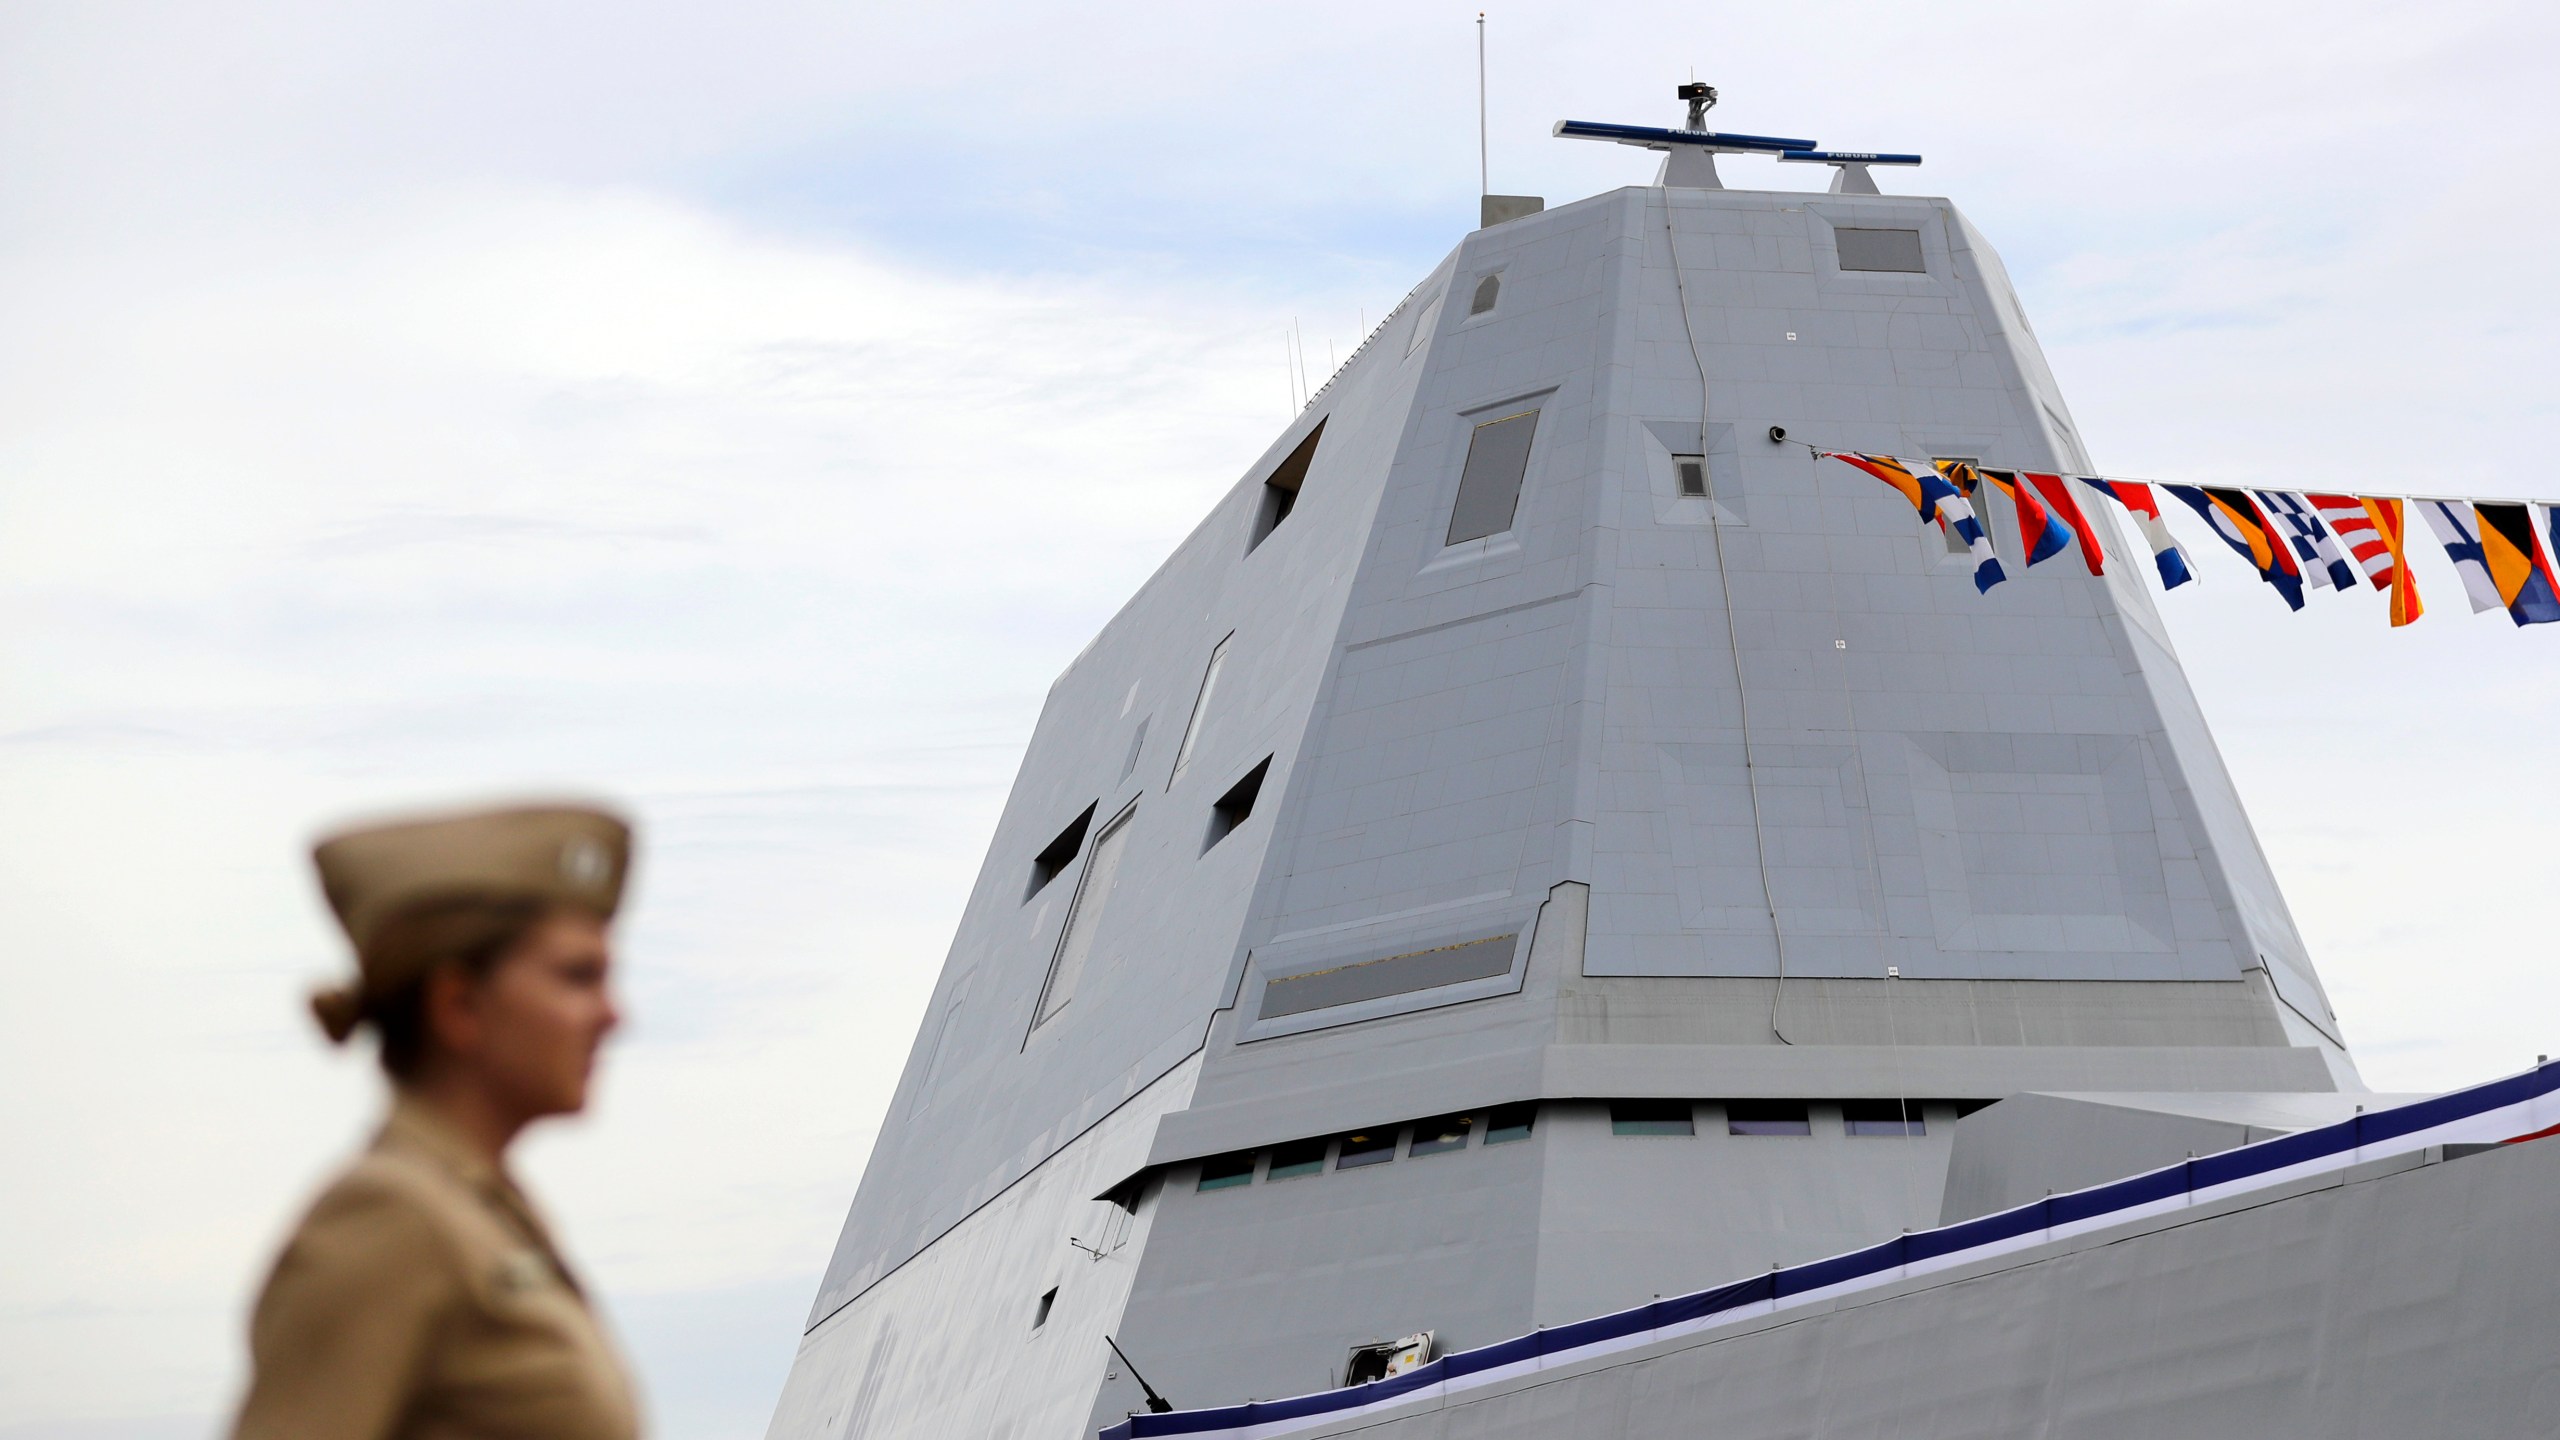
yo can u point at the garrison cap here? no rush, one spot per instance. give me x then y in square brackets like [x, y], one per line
[573, 854]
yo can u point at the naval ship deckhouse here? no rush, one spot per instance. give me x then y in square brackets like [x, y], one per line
[1542, 843]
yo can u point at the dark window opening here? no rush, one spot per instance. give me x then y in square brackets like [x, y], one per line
[1488, 294]
[1040, 1317]
[1233, 807]
[1967, 1107]
[1510, 1122]
[1434, 1137]
[1298, 1157]
[1059, 854]
[1767, 1117]
[1280, 488]
[1226, 1172]
[1652, 1117]
[1692, 470]
[1366, 1147]
[1897, 250]
[1882, 1117]
[1489, 485]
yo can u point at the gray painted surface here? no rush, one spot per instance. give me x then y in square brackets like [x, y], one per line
[2030, 1146]
[2402, 1298]
[1726, 762]
[1389, 975]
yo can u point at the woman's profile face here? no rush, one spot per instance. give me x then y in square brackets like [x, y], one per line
[536, 1020]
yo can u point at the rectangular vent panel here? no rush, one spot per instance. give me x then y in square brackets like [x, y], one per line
[1880, 250]
[1392, 975]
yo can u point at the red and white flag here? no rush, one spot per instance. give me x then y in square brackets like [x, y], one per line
[2354, 527]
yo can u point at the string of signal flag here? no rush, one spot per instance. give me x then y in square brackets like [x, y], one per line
[2294, 539]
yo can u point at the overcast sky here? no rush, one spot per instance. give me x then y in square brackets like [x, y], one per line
[743, 411]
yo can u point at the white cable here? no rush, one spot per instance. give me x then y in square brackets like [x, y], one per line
[1733, 636]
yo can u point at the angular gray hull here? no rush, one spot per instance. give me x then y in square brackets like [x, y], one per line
[1576, 791]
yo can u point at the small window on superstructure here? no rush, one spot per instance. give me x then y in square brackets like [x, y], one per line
[1652, 1117]
[1226, 1172]
[1366, 1147]
[1437, 1137]
[1280, 488]
[1692, 470]
[1767, 1117]
[1058, 854]
[1510, 1122]
[1489, 485]
[1200, 708]
[1298, 1157]
[1040, 1316]
[1882, 1117]
[1488, 294]
[1233, 807]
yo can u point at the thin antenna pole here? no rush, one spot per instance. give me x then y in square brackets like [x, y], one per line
[1290, 371]
[1484, 156]
[1304, 389]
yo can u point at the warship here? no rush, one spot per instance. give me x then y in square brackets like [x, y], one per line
[1558, 911]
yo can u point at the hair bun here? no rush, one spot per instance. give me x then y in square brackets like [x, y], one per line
[338, 1009]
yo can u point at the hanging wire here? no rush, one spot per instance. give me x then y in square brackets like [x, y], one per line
[1818, 452]
[1733, 635]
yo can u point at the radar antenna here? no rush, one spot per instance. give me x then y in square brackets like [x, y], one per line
[1701, 98]
[1689, 153]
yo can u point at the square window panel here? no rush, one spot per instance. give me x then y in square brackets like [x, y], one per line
[1226, 1172]
[1882, 1117]
[1298, 1157]
[1438, 1137]
[1652, 1117]
[1767, 1117]
[1510, 1122]
[1366, 1147]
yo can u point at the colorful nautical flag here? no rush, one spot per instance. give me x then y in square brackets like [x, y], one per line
[2037, 531]
[1971, 530]
[2374, 531]
[2059, 500]
[1936, 500]
[2137, 499]
[1922, 493]
[2236, 518]
[2459, 533]
[2516, 562]
[2300, 526]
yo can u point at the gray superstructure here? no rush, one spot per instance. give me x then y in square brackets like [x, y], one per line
[1479, 758]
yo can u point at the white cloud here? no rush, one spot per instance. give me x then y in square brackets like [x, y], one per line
[580, 490]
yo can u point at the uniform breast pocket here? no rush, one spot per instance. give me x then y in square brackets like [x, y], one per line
[536, 1365]
[520, 1274]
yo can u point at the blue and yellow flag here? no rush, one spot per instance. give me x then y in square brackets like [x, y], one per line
[2236, 518]
[2516, 562]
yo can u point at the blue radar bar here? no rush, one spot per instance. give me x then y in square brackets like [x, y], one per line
[1654, 137]
[1846, 157]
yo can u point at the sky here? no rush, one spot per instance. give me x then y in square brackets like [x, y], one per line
[743, 412]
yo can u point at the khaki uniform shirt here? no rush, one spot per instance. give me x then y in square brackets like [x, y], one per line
[421, 1299]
